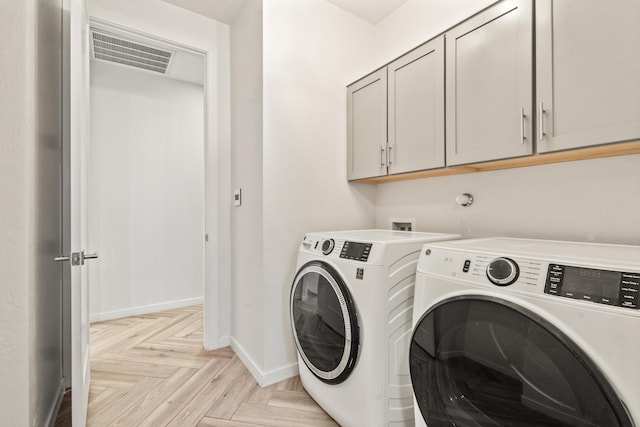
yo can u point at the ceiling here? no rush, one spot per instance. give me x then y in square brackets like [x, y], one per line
[369, 10]
[220, 10]
[372, 11]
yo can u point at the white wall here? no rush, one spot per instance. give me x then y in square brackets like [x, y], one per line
[146, 182]
[30, 154]
[312, 50]
[172, 23]
[16, 179]
[246, 159]
[590, 200]
[290, 64]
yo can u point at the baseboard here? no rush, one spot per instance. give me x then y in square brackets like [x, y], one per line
[246, 359]
[136, 311]
[263, 379]
[280, 374]
[223, 341]
[53, 412]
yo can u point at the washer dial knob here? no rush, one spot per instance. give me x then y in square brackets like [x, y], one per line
[502, 271]
[327, 246]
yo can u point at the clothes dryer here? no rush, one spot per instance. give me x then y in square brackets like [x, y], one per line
[514, 332]
[351, 307]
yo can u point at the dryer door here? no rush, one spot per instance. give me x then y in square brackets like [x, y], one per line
[323, 317]
[482, 361]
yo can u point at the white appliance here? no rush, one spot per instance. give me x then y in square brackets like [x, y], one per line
[351, 307]
[514, 332]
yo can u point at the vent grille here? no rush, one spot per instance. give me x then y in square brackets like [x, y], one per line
[125, 52]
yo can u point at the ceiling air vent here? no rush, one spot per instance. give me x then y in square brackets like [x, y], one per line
[111, 48]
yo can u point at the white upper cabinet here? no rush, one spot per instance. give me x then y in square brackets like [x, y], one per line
[587, 72]
[489, 85]
[416, 109]
[367, 126]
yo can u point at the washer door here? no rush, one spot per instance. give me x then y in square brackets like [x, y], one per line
[323, 317]
[481, 361]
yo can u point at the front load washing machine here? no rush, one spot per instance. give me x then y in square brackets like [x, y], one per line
[514, 332]
[351, 307]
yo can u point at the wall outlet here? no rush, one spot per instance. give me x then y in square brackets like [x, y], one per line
[237, 197]
[402, 224]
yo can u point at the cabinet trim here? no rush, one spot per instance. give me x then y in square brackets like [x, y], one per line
[612, 150]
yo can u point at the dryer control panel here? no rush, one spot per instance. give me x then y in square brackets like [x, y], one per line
[356, 251]
[338, 248]
[615, 288]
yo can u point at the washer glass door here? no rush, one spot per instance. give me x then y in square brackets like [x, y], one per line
[481, 361]
[323, 317]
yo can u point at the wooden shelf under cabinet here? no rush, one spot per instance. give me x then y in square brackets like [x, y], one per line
[619, 149]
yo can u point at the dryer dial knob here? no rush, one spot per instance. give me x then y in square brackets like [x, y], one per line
[327, 246]
[502, 271]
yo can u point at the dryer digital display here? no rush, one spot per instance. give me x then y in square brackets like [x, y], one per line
[356, 251]
[588, 284]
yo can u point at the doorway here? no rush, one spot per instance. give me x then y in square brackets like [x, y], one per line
[213, 45]
[146, 174]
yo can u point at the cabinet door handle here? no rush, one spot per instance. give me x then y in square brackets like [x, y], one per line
[522, 117]
[382, 163]
[541, 111]
[389, 155]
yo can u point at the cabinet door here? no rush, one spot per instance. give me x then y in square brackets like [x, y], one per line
[489, 85]
[588, 72]
[367, 126]
[416, 109]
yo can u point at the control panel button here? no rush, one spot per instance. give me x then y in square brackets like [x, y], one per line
[554, 279]
[502, 271]
[629, 290]
[466, 266]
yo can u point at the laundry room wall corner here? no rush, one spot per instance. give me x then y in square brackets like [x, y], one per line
[246, 173]
[312, 51]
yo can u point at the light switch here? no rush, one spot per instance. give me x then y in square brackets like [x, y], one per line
[237, 197]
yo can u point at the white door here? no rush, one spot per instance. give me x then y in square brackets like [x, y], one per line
[77, 89]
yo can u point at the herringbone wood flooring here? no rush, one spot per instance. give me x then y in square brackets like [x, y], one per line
[151, 370]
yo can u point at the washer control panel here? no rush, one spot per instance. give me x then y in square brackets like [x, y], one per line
[356, 251]
[338, 248]
[615, 288]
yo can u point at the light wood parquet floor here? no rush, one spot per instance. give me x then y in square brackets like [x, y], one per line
[151, 370]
